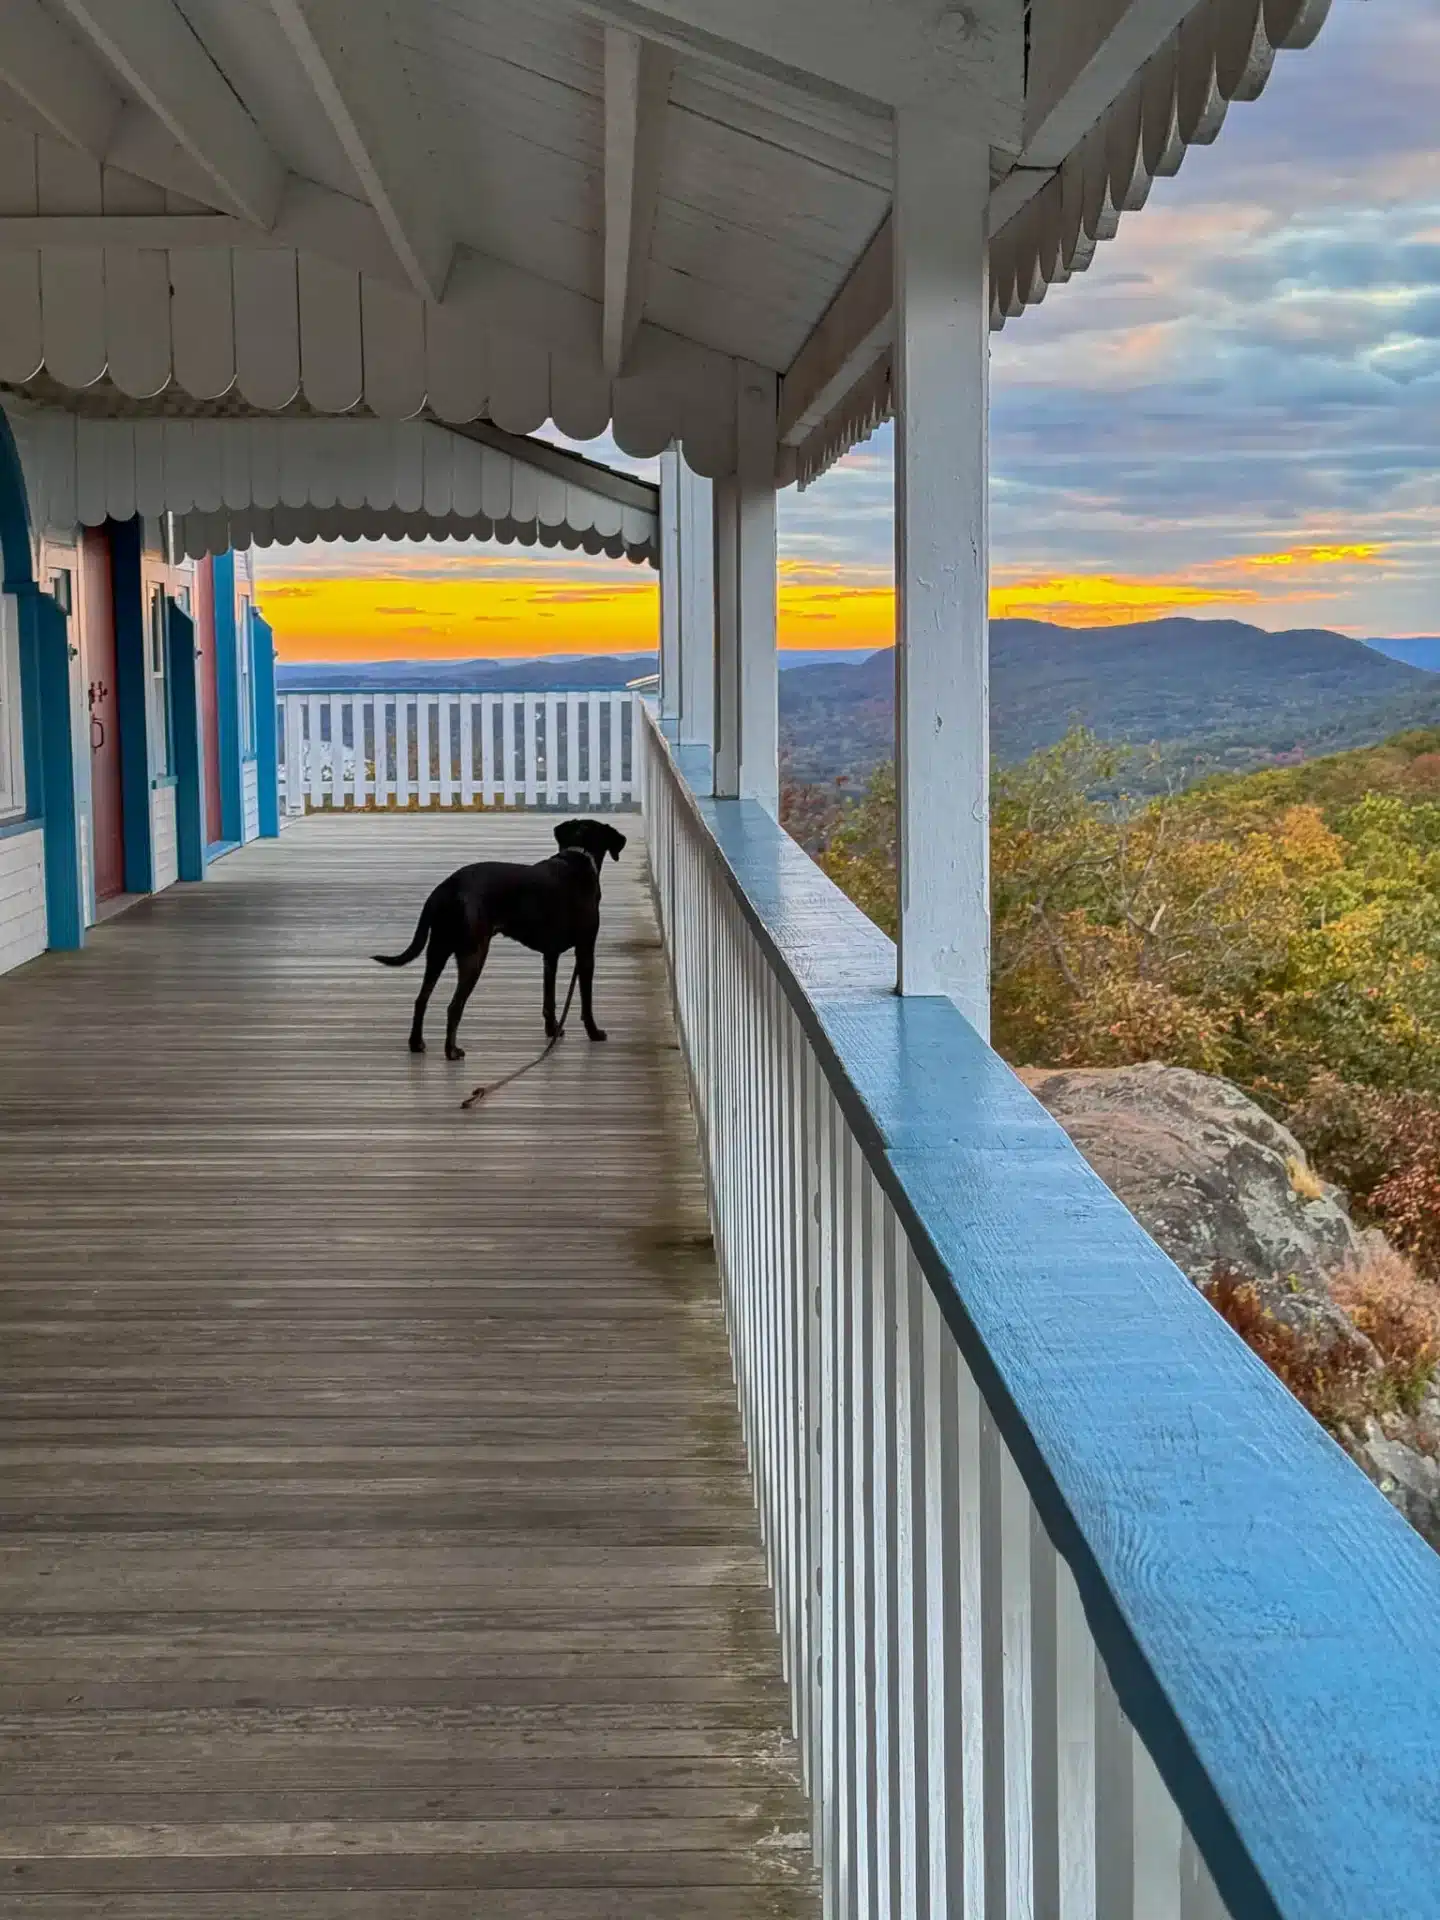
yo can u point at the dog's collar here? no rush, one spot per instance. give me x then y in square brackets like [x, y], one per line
[585, 853]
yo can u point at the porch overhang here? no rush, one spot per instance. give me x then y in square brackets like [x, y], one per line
[238, 479]
[583, 211]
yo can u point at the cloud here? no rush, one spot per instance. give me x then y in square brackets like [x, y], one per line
[1237, 406]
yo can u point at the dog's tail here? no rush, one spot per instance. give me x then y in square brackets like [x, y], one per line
[415, 948]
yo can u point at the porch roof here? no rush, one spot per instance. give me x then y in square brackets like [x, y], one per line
[589, 211]
[238, 479]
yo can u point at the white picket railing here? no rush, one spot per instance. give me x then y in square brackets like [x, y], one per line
[456, 749]
[931, 1521]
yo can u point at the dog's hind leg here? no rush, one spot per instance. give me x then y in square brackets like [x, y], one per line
[585, 969]
[468, 966]
[435, 958]
[552, 963]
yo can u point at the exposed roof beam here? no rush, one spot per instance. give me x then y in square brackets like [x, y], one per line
[1082, 58]
[311, 218]
[56, 77]
[315, 220]
[664, 28]
[349, 54]
[856, 327]
[161, 62]
[626, 489]
[145, 146]
[177, 230]
[854, 332]
[637, 86]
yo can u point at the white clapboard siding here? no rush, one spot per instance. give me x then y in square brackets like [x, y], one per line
[22, 897]
[250, 802]
[453, 748]
[165, 852]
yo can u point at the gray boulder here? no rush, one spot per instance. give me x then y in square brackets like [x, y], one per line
[1407, 1475]
[1207, 1172]
[1219, 1184]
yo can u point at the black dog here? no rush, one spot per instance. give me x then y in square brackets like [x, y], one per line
[550, 907]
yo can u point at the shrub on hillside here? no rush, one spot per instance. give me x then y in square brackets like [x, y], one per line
[1333, 1374]
[1267, 927]
[1335, 1378]
[1384, 1149]
[1399, 1313]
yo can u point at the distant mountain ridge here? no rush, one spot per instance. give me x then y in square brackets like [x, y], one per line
[577, 672]
[580, 673]
[1415, 653]
[1208, 693]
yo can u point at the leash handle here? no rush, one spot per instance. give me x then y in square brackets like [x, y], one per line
[494, 1086]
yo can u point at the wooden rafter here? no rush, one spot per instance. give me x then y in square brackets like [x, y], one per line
[352, 62]
[637, 84]
[160, 62]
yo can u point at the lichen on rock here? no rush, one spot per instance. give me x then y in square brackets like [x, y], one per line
[1227, 1191]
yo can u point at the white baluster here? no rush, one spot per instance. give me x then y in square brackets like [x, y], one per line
[317, 767]
[445, 707]
[402, 750]
[424, 783]
[532, 753]
[593, 707]
[382, 749]
[468, 704]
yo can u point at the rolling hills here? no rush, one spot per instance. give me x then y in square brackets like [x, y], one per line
[1208, 694]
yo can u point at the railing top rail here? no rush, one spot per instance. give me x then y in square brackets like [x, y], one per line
[1270, 1623]
[389, 690]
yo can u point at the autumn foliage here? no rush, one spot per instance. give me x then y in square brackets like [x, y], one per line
[1281, 929]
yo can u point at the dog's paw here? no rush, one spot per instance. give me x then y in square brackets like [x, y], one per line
[597, 1033]
[416, 1046]
[454, 1053]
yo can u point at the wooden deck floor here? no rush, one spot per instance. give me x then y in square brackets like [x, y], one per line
[375, 1541]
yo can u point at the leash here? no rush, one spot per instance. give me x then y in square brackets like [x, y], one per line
[495, 1085]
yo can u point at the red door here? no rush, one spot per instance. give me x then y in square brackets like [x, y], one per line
[97, 610]
[209, 693]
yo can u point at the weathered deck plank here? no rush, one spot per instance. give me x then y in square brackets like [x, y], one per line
[374, 1529]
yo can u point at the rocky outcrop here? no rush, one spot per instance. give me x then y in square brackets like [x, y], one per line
[1224, 1188]
[1407, 1475]
[1207, 1172]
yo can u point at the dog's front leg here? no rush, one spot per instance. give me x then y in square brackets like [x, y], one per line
[585, 969]
[552, 965]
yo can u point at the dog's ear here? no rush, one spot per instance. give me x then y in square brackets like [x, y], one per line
[616, 841]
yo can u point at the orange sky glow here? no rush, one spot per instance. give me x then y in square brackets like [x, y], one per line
[470, 609]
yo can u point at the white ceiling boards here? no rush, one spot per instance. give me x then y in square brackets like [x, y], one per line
[587, 211]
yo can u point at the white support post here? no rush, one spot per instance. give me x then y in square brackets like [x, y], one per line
[725, 713]
[942, 310]
[755, 558]
[746, 670]
[670, 584]
[697, 611]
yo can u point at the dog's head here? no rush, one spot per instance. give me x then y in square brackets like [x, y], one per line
[594, 837]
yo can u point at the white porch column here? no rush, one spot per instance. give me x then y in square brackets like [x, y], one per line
[726, 711]
[670, 584]
[746, 668]
[697, 611]
[942, 342]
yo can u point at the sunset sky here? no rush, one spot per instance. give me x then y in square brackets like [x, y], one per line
[1236, 411]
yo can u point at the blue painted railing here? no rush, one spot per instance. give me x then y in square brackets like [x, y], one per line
[1194, 1555]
